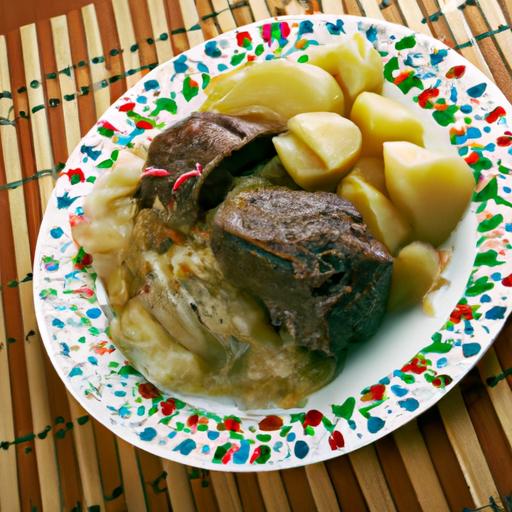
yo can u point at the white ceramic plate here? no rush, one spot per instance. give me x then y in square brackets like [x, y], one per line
[413, 360]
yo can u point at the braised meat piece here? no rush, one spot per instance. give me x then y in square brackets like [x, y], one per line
[310, 259]
[190, 151]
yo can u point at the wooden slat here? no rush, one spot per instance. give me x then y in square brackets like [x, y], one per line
[273, 491]
[420, 468]
[250, 494]
[332, 6]
[373, 484]
[225, 17]
[371, 9]
[98, 69]
[38, 120]
[259, 9]
[9, 497]
[413, 16]
[178, 487]
[132, 484]
[297, 489]
[191, 20]
[127, 38]
[496, 18]
[159, 26]
[465, 444]
[226, 492]
[321, 487]
[500, 394]
[345, 484]
[67, 83]
[86, 452]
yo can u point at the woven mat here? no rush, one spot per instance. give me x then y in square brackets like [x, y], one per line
[56, 78]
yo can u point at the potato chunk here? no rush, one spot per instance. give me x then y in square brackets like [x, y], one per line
[382, 119]
[319, 149]
[384, 221]
[277, 88]
[371, 170]
[430, 189]
[415, 270]
[354, 62]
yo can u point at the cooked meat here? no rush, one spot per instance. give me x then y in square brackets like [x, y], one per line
[224, 144]
[310, 259]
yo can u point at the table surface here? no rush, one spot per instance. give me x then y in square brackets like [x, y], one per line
[53, 456]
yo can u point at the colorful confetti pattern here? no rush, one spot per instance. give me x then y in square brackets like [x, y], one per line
[472, 113]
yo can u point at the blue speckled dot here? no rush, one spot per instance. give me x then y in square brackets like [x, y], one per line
[442, 362]
[278, 446]
[172, 434]
[470, 349]
[457, 343]
[212, 435]
[141, 410]
[205, 449]
[120, 394]
[487, 129]
[399, 390]
[185, 447]
[142, 99]
[496, 276]
[148, 434]
[222, 67]
[375, 424]
[409, 404]
[496, 313]
[485, 298]
[384, 381]
[466, 109]
[507, 190]
[301, 449]
[93, 313]
[291, 437]
[56, 233]
[92, 360]
[56, 322]
[352, 424]
[508, 227]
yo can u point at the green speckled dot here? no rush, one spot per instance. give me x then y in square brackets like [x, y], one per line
[81, 64]
[51, 76]
[21, 89]
[303, 58]
[164, 36]
[468, 120]
[54, 102]
[98, 60]
[35, 84]
[150, 40]
[114, 52]
[134, 47]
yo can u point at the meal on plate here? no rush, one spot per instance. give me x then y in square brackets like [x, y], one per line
[252, 242]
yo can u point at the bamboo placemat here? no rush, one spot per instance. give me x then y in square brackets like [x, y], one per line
[56, 78]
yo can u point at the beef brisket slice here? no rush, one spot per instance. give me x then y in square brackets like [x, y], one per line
[223, 145]
[310, 259]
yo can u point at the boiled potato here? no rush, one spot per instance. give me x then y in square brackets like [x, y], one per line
[384, 221]
[335, 140]
[354, 62]
[415, 270]
[431, 190]
[276, 89]
[382, 119]
[319, 149]
[371, 170]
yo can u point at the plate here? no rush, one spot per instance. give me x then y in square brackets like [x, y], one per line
[413, 360]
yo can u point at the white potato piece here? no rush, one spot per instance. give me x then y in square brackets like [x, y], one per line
[415, 271]
[334, 139]
[431, 190]
[384, 221]
[319, 149]
[354, 62]
[371, 170]
[275, 89]
[382, 119]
